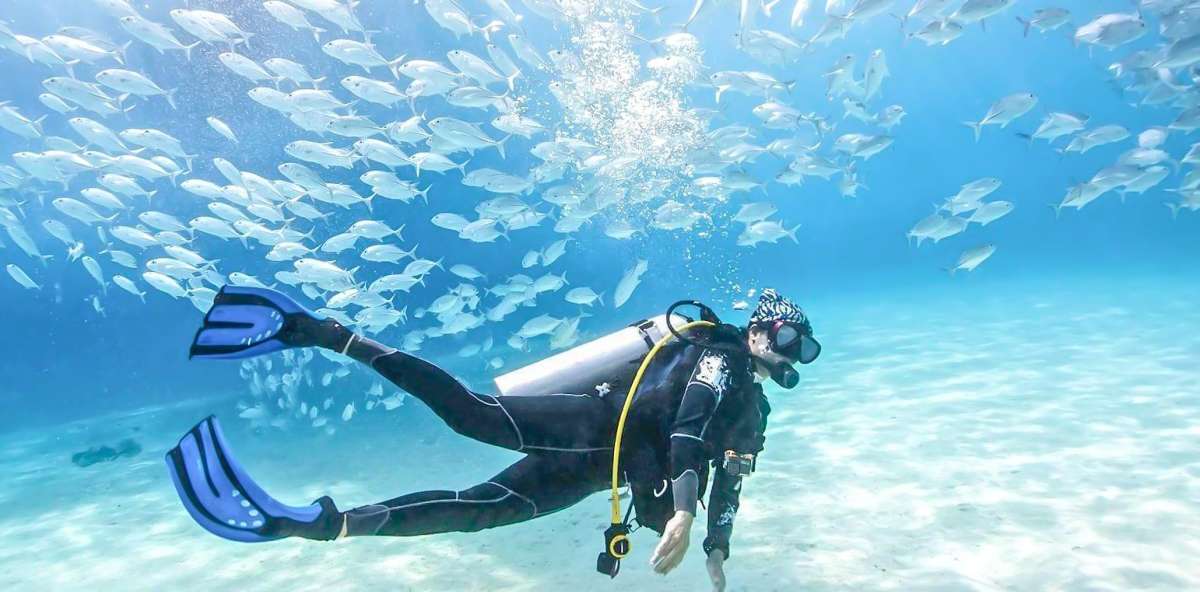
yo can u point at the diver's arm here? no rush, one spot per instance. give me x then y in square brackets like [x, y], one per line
[709, 382]
[404, 371]
[329, 334]
[723, 504]
[366, 350]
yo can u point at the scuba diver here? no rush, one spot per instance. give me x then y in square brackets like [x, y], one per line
[698, 405]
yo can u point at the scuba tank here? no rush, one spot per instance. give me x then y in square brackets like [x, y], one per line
[610, 359]
[614, 358]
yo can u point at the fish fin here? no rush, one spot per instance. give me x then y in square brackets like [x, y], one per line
[792, 233]
[187, 50]
[119, 53]
[976, 127]
[500, 146]
[394, 66]
[171, 98]
[121, 101]
[656, 11]
[316, 31]
[37, 124]
[1173, 207]
[1026, 24]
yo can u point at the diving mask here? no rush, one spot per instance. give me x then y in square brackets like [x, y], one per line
[794, 342]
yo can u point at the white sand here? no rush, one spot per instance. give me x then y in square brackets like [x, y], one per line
[975, 441]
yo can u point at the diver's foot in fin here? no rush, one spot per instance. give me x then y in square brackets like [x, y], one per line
[328, 525]
[245, 322]
[222, 498]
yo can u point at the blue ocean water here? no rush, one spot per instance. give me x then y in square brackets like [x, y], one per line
[995, 417]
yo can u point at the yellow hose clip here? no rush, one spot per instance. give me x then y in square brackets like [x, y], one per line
[619, 546]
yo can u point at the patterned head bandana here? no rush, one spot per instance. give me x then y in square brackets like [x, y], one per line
[773, 307]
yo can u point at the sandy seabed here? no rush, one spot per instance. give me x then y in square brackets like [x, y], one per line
[1047, 438]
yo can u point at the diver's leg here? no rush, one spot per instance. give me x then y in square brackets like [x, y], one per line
[566, 422]
[225, 500]
[537, 485]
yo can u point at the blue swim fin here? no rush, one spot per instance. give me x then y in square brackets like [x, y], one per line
[245, 322]
[223, 499]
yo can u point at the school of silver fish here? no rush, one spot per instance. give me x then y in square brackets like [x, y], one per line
[620, 148]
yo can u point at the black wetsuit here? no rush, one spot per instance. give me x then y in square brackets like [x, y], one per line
[694, 404]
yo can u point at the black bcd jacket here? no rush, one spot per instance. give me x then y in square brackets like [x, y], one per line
[694, 403]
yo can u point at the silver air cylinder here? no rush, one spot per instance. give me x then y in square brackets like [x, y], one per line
[612, 359]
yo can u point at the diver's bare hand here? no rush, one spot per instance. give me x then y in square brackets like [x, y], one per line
[674, 543]
[716, 569]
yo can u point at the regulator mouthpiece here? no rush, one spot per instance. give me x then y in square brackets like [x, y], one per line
[785, 376]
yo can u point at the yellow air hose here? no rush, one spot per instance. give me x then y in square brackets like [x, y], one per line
[613, 546]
